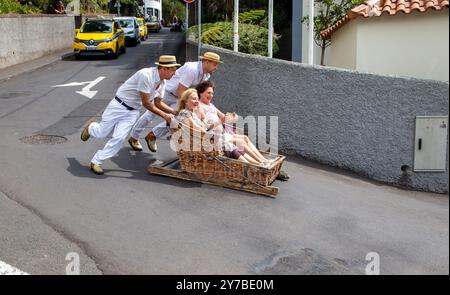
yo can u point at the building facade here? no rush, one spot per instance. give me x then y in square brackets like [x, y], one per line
[153, 8]
[394, 37]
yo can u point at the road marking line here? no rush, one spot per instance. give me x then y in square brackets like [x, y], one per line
[6, 269]
[85, 91]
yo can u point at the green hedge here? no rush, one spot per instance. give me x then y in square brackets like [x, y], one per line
[252, 38]
[13, 6]
[254, 17]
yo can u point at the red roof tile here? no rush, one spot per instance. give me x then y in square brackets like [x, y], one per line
[388, 7]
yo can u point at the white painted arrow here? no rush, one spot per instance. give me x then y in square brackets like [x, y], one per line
[6, 269]
[85, 91]
[72, 84]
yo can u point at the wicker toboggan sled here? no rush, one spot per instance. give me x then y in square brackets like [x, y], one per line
[211, 167]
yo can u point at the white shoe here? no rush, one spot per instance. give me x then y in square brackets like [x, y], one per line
[151, 145]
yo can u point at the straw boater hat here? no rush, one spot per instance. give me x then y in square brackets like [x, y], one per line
[167, 61]
[211, 56]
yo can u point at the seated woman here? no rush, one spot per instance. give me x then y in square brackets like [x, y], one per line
[188, 109]
[236, 143]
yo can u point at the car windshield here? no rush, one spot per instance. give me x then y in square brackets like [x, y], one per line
[126, 23]
[152, 19]
[97, 27]
[140, 22]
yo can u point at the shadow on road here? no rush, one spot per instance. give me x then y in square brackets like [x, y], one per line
[133, 165]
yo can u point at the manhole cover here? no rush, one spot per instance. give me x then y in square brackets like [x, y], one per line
[43, 139]
[304, 262]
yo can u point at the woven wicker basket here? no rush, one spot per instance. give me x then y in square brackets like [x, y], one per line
[213, 165]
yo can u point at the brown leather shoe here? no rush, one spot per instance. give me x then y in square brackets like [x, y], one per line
[85, 134]
[151, 142]
[283, 176]
[135, 144]
[97, 169]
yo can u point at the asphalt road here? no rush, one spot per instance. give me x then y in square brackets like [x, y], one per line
[128, 222]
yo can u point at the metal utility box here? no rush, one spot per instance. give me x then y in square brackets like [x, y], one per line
[430, 153]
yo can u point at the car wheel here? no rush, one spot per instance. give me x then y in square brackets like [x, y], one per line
[123, 49]
[115, 54]
[77, 56]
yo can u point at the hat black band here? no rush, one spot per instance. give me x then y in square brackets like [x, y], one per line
[167, 62]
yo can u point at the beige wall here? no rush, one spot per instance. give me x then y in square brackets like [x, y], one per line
[344, 47]
[412, 45]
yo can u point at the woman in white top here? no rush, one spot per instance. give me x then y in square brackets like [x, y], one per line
[189, 116]
[216, 119]
[189, 110]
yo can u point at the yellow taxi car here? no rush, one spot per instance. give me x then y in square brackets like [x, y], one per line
[143, 31]
[153, 24]
[99, 37]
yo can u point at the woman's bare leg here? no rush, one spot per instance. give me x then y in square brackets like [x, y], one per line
[249, 159]
[256, 153]
[249, 152]
[243, 159]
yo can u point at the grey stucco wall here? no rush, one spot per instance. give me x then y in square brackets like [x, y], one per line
[356, 121]
[27, 37]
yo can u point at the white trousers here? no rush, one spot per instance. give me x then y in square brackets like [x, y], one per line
[159, 130]
[115, 117]
[141, 124]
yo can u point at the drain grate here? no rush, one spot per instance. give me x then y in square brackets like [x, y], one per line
[43, 139]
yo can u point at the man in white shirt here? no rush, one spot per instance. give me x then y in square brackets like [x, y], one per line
[122, 112]
[189, 75]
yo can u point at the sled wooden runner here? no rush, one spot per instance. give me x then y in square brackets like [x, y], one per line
[173, 169]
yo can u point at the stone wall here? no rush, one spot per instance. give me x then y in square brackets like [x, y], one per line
[27, 37]
[356, 121]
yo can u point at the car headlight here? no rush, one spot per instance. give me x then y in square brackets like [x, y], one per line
[76, 40]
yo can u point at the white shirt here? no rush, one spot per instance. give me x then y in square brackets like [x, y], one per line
[147, 81]
[213, 118]
[210, 113]
[189, 75]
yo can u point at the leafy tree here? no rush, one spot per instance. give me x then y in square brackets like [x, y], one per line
[256, 17]
[94, 6]
[87, 6]
[222, 10]
[13, 6]
[173, 7]
[252, 36]
[328, 12]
